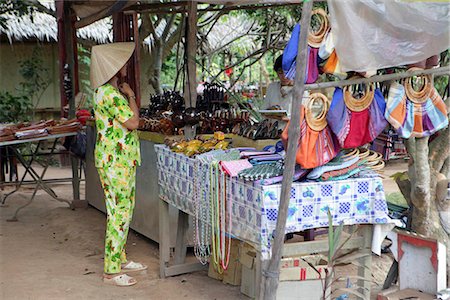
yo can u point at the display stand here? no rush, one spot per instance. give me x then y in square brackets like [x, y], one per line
[38, 178]
[254, 210]
[361, 242]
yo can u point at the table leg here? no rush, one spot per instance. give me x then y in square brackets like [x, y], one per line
[25, 164]
[76, 175]
[38, 178]
[164, 238]
[365, 270]
[181, 245]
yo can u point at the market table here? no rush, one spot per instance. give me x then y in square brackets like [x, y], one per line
[184, 183]
[38, 178]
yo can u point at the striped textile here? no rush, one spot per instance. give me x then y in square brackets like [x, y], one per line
[289, 62]
[354, 129]
[315, 148]
[415, 119]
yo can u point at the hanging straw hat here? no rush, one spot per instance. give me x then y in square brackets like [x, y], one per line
[107, 60]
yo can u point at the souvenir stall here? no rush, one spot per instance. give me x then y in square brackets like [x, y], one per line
[251, 195]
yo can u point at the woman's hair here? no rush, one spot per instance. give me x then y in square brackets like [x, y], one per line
[277, 66]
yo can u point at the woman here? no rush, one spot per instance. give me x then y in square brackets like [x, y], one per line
[116, 153]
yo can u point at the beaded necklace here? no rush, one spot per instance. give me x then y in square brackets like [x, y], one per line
[218, 192]
[201, 218]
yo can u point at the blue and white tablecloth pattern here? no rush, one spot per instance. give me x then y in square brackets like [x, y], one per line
[255, 207]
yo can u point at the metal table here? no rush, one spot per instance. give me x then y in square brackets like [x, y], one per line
[38, 178]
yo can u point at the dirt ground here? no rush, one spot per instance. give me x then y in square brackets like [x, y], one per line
[53, 252]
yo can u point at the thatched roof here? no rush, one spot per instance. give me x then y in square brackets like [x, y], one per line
[43, 27]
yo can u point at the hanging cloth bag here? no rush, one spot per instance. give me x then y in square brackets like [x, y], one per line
[356, 122]
[317, 144]
[416, 113]
[315, 39]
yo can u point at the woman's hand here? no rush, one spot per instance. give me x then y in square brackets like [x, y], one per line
[126, 89]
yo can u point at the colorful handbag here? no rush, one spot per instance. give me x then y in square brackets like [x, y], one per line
[356, 122]
[317, 144]
[328, 59]
[415, 113]
[290, 59]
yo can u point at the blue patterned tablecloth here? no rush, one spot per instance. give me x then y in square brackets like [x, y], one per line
[255, 207]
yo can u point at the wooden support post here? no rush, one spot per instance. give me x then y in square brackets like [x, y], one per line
[68, 53]
[125, 29]
[136, 60]
[365, 270]
[181, 245]
[272, 273]
[164, 238]
[190, 94]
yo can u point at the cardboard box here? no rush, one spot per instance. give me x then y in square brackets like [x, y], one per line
[300, 268]
[248, 262]
[407, 294]
[301, 278]
[300, 290]
[212, 273]
[232, 275]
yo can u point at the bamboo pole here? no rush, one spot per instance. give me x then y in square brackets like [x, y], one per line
[379, 78]
[270, 275]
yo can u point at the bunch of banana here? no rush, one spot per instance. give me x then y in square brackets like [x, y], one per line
[194, 147]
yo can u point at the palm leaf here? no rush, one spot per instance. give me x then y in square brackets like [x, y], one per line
[348, 258]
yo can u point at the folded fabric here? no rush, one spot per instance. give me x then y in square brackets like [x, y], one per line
[254, 153]
[412, 119]
[343, 171]
[272, 157]
[298, 174]
[233, 167]
[261, 172]
[336, 164]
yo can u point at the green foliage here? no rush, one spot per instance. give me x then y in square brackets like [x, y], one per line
[397, 198]
[84, 59]
[441, 82]
[36, 76]
[14, 108]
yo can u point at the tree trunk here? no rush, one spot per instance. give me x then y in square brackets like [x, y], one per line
[426, 184]
[154, 71]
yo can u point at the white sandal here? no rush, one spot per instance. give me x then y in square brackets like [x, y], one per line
[120, 280]
[133, 267]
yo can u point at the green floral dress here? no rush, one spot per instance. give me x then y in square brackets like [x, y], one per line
[116, 156]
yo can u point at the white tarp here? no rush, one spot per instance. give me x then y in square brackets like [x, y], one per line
[376, 34]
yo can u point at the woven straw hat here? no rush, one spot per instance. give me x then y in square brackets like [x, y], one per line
[107, 60]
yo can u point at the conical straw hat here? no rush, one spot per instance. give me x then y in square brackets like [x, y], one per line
[107, 60]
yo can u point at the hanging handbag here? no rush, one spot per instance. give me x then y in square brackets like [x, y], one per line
[356, 122]
[317, 144]
[315, 39]
[416, 113]
[328, 59]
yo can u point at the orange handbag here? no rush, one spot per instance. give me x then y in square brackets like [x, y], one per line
[317, 145]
